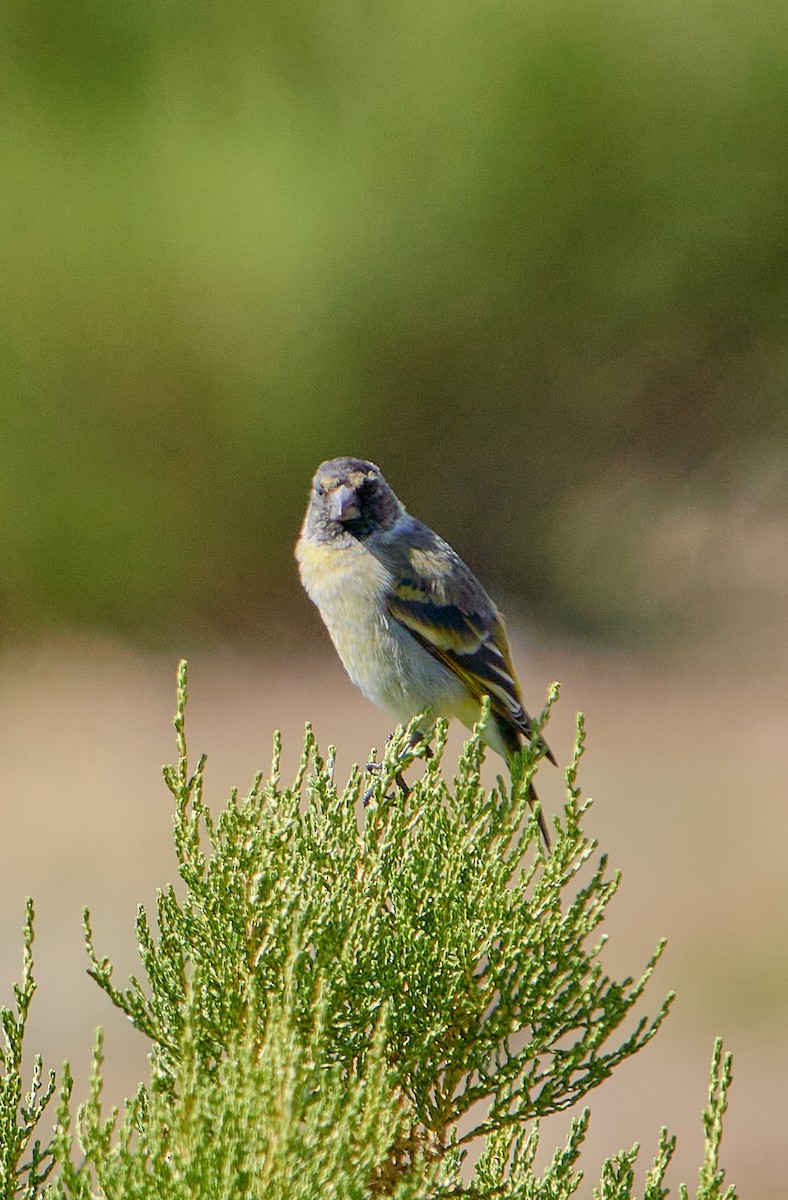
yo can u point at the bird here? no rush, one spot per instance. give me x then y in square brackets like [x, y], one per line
[413, 626]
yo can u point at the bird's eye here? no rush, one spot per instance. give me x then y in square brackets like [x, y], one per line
[319, 489]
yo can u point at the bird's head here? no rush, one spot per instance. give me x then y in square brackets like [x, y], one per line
[350, 497]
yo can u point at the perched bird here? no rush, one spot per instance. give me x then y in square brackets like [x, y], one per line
[414, 628]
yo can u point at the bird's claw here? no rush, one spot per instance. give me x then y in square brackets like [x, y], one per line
[399, 779]
[376, 768]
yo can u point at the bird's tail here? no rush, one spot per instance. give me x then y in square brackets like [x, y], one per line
[536, 807]
[510, 736]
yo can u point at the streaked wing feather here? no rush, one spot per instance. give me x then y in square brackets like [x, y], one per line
[472, 645]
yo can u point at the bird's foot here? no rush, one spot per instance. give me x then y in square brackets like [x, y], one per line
[376, 768]
[404, 756]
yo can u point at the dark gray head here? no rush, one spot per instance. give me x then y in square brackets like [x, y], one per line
[350, 497]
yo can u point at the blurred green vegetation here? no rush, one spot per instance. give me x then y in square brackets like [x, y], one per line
[532, 258]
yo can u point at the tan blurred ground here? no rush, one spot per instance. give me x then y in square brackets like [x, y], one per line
[687, 766]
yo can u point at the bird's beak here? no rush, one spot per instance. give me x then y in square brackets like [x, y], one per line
[343, 504]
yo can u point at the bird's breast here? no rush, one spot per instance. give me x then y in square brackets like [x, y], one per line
[349, 588]
[384, 660]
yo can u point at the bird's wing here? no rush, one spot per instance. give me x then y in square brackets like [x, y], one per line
[442, 604]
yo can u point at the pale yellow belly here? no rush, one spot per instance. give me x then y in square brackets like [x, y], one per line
[381, 657]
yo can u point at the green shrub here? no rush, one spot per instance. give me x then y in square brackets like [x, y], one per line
[343, 997]
[20, 1110]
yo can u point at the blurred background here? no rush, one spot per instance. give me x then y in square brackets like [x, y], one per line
[533, 260]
